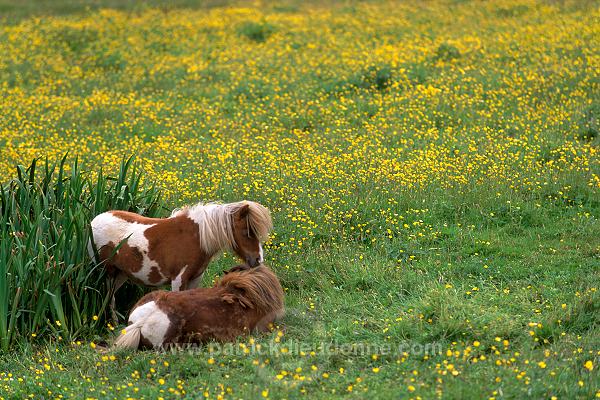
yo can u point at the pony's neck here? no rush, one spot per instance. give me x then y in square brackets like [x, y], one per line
[214, 226]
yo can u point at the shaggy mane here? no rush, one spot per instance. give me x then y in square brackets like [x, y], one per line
[216, 225]
[259, 287]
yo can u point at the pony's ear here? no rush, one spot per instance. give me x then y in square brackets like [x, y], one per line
[228, 298]
[238, 296]
[243, 211]
[244, 301]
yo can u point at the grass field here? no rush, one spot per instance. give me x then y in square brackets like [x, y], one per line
[433, 170]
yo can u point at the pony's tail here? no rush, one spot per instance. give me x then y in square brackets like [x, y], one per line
[130, 339]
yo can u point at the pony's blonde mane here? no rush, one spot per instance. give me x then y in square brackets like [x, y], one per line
[258, 288]
[216, 224]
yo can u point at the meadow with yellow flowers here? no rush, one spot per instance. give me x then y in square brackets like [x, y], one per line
[433, 170]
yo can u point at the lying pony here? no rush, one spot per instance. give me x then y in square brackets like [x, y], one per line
[244, 300]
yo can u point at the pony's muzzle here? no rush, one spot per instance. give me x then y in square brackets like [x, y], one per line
[253, 261]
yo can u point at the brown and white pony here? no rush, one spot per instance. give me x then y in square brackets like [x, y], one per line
[244, 300]
[177, 250]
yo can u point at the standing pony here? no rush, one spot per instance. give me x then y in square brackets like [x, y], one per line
[177, 250]
[244, 300]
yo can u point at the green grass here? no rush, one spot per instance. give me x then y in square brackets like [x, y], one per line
[354, 302]
[481, 282]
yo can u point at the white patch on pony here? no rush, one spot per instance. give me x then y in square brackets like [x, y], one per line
[176, 283]
[155, 322]
[107, 228]
[261, 257]
[142, 312]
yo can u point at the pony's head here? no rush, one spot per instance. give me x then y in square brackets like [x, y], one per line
[256, 288]
[251, 224]
[240, 226]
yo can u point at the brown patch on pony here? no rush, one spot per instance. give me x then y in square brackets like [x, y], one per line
[154, 276]
[125, 255]
[174, 244]
[242, 301]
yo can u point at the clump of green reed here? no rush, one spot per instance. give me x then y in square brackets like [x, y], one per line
[48, 282]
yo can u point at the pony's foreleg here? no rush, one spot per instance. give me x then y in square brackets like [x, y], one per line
[179, 283]
[193, 283]
[117, 282]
